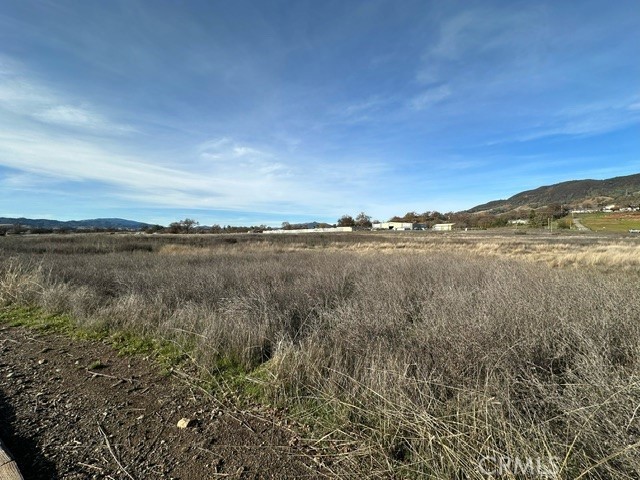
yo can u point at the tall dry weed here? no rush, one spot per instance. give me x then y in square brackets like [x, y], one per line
[415, 357]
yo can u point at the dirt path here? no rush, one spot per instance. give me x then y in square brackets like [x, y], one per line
[579, 226]
[60, 420]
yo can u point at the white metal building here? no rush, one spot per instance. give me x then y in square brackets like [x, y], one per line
[443, 227]
[392, 226]
[313, 230]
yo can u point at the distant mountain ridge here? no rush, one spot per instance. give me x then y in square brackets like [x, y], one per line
[109, 223]
[621, 191]
[573, 192]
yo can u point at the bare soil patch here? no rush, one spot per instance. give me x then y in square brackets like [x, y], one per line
[75, 410]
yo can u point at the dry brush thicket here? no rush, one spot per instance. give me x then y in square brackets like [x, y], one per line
[419, 355]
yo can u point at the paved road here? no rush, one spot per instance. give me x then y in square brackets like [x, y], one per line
[579, 226]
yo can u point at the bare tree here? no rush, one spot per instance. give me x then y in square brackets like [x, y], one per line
[346, 221]
[363, 220]
[188, 224]
[183, 226]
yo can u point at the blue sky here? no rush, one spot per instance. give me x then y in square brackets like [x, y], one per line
[250, 112]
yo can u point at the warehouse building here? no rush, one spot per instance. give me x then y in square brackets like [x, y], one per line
[392, 226]
[443, 227]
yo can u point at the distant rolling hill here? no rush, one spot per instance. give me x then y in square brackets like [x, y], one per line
[110, 223]
[574, 192]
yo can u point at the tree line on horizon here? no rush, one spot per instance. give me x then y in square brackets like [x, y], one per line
[535, 217]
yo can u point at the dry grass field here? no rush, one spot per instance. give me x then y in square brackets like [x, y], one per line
[414, 355]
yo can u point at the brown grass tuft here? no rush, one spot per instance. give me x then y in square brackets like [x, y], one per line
[413, 356]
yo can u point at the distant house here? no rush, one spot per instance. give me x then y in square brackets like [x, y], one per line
[443, 227]
[392, 226]
[520, 221]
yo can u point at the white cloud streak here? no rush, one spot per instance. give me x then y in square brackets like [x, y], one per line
[517, 74]
[581, 121]
[23, 97]
[430, 97]
[81, 118]
[238, 180]
[220, 174]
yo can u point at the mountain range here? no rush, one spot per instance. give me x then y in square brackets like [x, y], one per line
[107, 223]
[622, 191]
[574, 193]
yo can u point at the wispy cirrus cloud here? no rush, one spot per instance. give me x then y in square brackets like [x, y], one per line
[24, 97]
[22, 181]
[519, 75]
[80, 118]
[364, 110]
[241, 179]
[239, 156]
[430, 97]
[323, 110]
[222, 173]
[584, 120]
[511, 41]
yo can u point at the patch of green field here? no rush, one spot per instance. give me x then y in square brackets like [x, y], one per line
[35, 318]
[225, 376]
[124, 342]
[611, 222]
